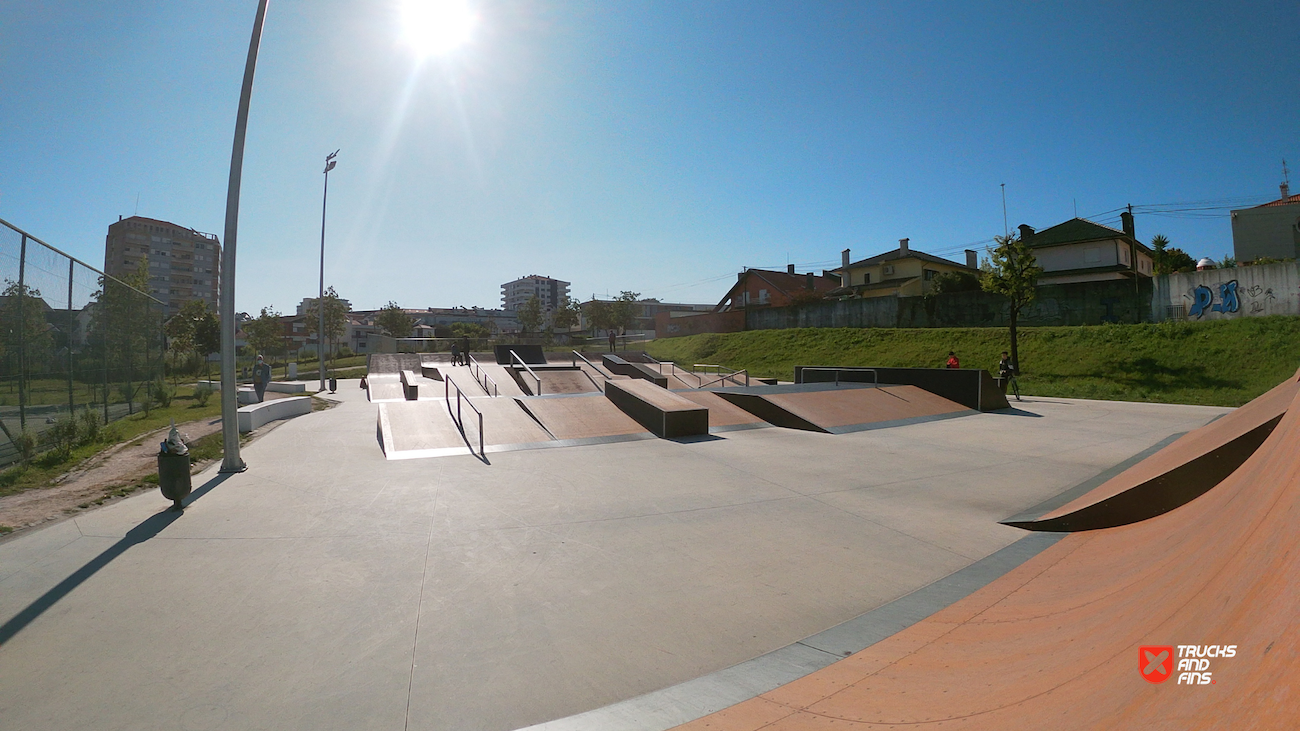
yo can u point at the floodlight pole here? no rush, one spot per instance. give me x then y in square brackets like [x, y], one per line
[229, 404]
[330, 162]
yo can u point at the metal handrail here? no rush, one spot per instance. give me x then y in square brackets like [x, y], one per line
[515, 357]
[719, 369]
[447, 383]
[672, 368]
[574, 361]
[723, 378]
[482, 377]
[875, 377]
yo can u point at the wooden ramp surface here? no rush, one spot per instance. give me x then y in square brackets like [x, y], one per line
[835, 409]
[1175, 475]
[1054, 643]
[581, 417]
[723, 415]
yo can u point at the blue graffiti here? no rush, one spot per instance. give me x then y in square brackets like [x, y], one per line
[1201, 298]
[1227, 298]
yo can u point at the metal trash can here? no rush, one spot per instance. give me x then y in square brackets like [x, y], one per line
[174, 469]
[334, 384]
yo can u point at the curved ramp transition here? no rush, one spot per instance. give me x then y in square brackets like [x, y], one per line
[1054, 643]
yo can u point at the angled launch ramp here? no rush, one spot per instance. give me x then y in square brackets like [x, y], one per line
[840, 408]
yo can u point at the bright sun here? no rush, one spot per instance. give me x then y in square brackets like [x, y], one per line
[434, 27]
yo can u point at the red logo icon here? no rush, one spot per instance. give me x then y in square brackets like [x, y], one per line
[1156, 662]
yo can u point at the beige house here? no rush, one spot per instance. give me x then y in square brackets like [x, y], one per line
[903, 272]
[1082, 251]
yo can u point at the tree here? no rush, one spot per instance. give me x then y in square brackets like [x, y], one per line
[954, 281]
[336, 318]
[566, 315]
[530, 315]
[623, 310]
[1012, 272]
[264, 333]
[394, 321]
[126, 327]
[194, 330]
[22, 323]
[1168, 260]
[470, 330]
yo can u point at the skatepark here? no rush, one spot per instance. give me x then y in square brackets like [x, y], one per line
[583, 543]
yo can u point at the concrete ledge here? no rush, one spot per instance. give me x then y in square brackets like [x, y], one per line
[658, 409]
[410, 387]
[255, 415]
[282, 387]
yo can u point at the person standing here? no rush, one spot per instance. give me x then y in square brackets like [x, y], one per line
[464, 351]
[613, 340]
[952, 360]
[261, 377]
[455, 353]
[1007, 373]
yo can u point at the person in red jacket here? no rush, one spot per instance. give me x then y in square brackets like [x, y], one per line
[952, 360]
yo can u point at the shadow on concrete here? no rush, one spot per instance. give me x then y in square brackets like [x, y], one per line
[695, 438]
[152, 526]
[1013, 411]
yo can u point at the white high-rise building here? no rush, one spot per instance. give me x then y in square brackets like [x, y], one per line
[551, 292]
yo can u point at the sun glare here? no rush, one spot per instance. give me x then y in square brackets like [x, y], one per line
[434, 27]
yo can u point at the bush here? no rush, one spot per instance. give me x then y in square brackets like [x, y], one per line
[202, 394]
[91, 424]
[161, 393]
[345, 352]
[25, 443]
[64, 435]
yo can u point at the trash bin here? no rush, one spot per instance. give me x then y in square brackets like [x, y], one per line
[334, 384]
[174, 469]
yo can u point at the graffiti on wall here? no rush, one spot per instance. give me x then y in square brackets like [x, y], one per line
[1229, 299]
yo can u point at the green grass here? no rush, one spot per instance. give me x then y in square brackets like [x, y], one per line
[47, 466]
[1220, 363]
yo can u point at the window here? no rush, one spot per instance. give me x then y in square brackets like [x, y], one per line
[762, 296]
[866, 278]
[928, 274]
[889, 269]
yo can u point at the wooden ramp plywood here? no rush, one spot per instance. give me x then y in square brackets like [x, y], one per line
[411, 429]
[565, 381]
[723, 415]
[581, 417]
[1176, 474]
[656, 408]
[833, 409]
[1054, 643]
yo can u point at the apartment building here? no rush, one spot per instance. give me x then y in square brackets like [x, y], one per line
[551, 292]
[184, 264]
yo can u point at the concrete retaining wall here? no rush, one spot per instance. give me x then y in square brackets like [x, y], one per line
[1222, 294]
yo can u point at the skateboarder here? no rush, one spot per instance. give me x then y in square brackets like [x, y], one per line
[952, 360]
[261, 377]
[1007, 373]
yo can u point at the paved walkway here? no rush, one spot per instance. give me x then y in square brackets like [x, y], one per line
[329, 588]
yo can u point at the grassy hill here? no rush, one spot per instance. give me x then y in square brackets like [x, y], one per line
[1222, 363]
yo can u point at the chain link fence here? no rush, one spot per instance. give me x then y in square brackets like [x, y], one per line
[74, 344]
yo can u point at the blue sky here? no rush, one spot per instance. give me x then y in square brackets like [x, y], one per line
[657, 147]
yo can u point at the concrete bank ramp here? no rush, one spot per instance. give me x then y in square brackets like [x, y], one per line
[842, 408]
[385, 386]
[414, 429]
[1057, 643]
[1173, 476]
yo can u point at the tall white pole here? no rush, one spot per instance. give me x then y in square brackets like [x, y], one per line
[320, 300]
[229, 404]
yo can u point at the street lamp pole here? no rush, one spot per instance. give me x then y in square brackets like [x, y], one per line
[229, 404]
[330, 162]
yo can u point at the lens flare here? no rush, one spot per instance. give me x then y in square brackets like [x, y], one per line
[435, 27]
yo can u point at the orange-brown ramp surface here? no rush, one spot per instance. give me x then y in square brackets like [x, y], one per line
[1054, 644]
[838, 409]
[723, 415]
[1175, 475]
[581, 416]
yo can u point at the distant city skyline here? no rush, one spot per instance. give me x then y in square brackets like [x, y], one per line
[653, 147]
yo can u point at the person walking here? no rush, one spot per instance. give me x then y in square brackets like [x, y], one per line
[261, 377]
[952, 360]
[464, 351]
[1007, 373]
[455, 353]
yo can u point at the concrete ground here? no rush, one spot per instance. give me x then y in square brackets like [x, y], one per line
[329, 588]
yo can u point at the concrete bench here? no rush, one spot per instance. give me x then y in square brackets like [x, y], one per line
[255, 415]
[410, 386]
[661, 411]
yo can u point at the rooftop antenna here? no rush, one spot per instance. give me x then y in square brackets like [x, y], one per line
[1076, 207]
[1286, 174]
[137, 197]
[1006, 230]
